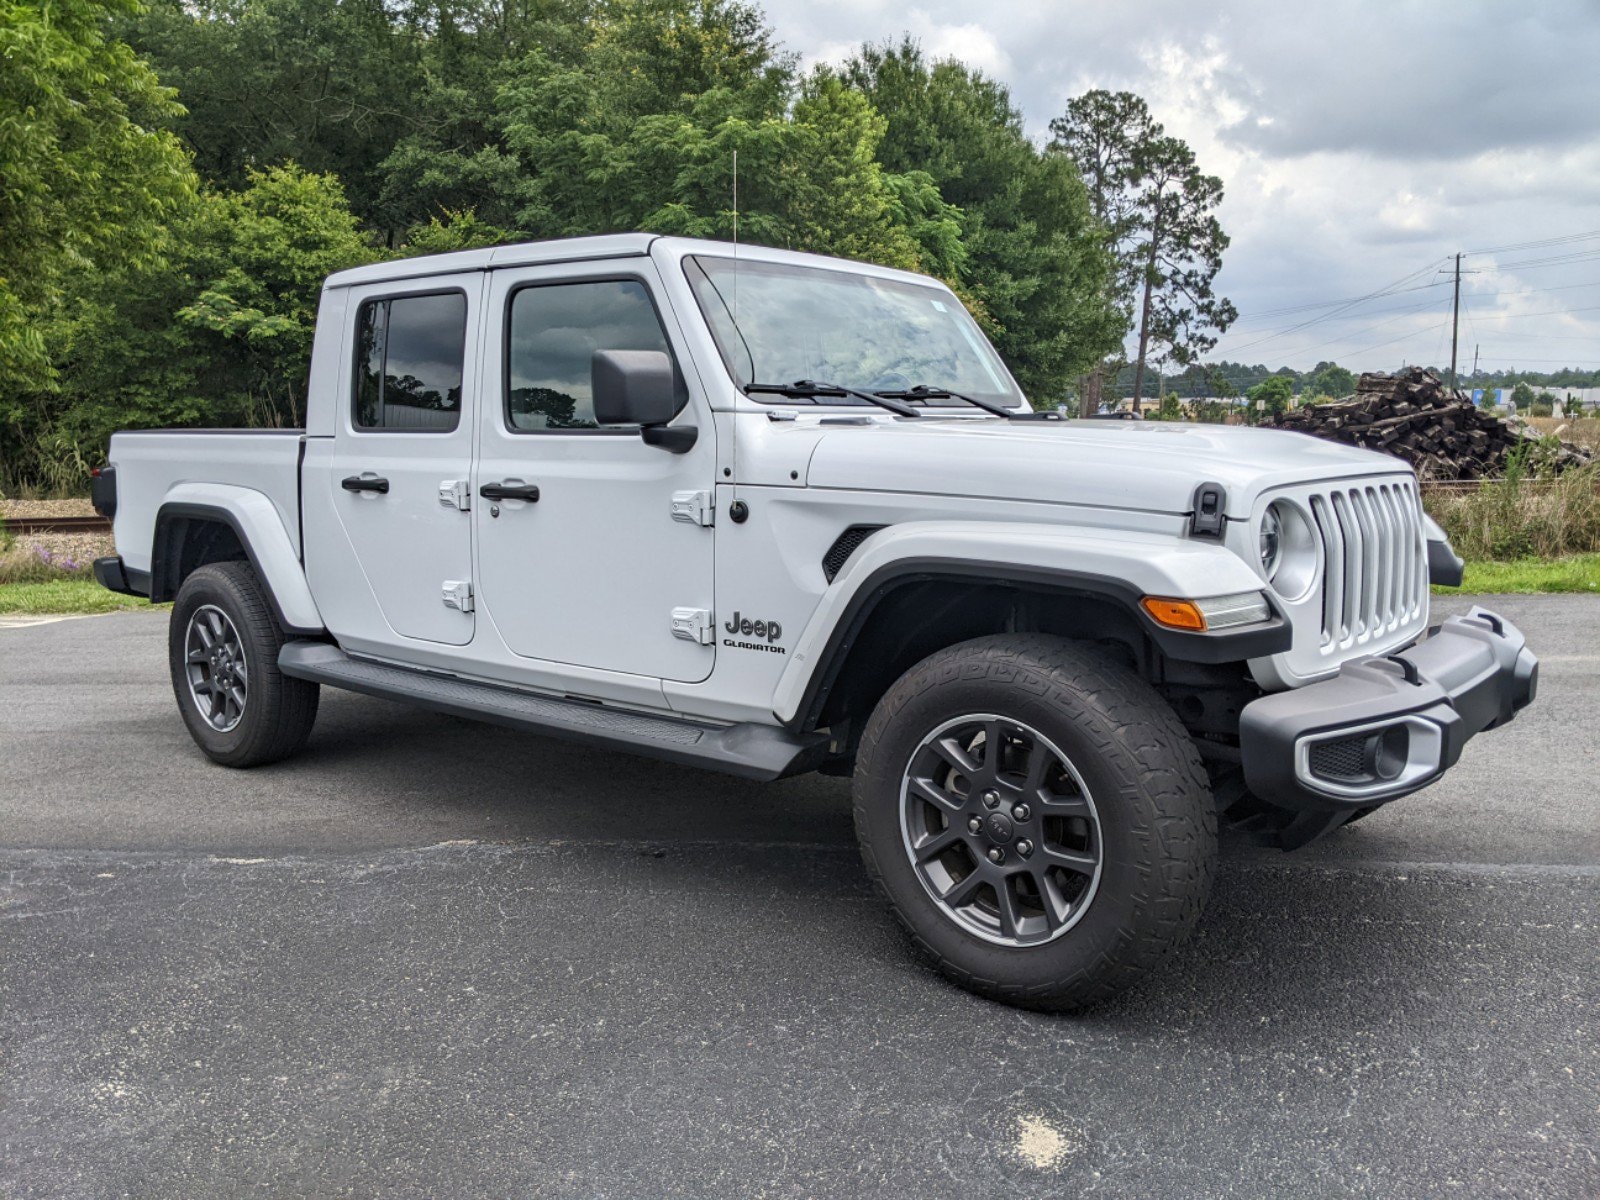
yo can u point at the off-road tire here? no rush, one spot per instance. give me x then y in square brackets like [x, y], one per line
[278, 711]
[1157, 820]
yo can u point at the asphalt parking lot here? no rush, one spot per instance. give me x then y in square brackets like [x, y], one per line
[433, 958]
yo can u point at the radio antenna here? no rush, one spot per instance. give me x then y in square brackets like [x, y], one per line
[736, 237]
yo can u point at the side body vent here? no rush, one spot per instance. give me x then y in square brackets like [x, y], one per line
[844, 546]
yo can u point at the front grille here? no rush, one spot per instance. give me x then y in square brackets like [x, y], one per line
[1376, 575]
[1340, 759]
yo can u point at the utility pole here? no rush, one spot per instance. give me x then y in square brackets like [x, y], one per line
[1455, 323]
[1475, 360]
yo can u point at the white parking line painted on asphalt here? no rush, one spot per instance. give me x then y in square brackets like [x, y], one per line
[21, 622]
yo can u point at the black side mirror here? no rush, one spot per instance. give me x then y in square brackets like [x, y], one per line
[640, 387]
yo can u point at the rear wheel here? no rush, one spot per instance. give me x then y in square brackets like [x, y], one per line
[222, 647]
[1038, 818]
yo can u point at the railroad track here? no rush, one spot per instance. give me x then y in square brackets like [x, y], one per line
[42, 524]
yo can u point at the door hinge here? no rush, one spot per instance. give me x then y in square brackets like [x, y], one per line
[693, 625]
[694, 508]
[458, 594]
[455, 493]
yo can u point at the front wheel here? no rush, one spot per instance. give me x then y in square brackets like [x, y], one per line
[1038, 818]
[222, 646]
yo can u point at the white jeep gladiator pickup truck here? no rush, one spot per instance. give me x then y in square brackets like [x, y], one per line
[764, 513]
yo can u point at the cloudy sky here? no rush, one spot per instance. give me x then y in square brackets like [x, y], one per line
[1361, 145]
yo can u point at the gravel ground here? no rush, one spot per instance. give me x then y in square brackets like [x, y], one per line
[78, 547]
[45, 508]
[428, 957]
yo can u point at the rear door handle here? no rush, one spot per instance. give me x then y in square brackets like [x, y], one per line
[509, 491]
[358, 483]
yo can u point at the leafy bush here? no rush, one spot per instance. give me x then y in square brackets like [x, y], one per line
[1522, 516]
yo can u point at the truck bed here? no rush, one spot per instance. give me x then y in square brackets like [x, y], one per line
[150, 463]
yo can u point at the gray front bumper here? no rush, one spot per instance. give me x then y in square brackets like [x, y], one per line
[1384, 727]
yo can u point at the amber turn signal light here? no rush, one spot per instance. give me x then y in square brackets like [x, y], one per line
[1175, 614]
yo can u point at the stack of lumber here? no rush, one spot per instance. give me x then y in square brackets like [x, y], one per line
[1413, 416]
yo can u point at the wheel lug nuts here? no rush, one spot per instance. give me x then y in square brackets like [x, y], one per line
[997, 855]
[1024, 847]
[1022, 812]
[991, 799]
[975, 825]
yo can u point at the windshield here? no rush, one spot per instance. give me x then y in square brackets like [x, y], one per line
[846, 328]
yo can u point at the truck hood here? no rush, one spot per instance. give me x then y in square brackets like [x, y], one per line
[1152, 466]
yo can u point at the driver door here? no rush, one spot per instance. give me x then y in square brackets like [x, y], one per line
[593, 571]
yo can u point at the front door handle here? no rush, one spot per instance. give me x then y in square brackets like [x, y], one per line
[359, 483]
[509, 491]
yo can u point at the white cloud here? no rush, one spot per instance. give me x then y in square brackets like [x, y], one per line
[1357, 142]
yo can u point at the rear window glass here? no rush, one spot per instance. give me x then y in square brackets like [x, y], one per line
[409, 356]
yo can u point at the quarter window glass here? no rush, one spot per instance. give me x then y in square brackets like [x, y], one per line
[409, 357]
[553, 334]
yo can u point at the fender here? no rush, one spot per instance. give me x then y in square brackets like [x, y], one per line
[1118, 566]
[255, 522]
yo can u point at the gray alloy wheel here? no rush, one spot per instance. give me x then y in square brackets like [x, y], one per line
[223, 643]
[219, 678]
[1001, 830]
[1037, 816]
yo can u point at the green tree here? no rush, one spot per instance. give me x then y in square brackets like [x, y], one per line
[1270, 398]
[1035, 264]
[86, 178]
[1170, 408]
[1330, 379]
[327, 84]
[215, 330]
[459, 230]
[1522, 397]
[602, 144]
[1160, 211]
[262, 268]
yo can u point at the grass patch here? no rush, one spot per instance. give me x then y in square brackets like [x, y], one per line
[67, 595]
[1577, 573]
[1521, 517]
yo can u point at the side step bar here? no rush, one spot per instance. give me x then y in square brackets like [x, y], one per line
[750, 750]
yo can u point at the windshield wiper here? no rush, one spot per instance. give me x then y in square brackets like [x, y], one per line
[811, 389]
[923, 392]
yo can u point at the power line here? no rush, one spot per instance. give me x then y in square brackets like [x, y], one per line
[1392, 316]
[1569, 362]
[1386, 290]
[1531, 264]
[1548, 312]
[1559, 240]
[1414, 333]
[1561, 287]
[1534, 245]
[1294, 308]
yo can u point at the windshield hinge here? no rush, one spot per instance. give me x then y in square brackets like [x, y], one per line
[455, 493]
[694, 508]
[693, 625]
[457, 593]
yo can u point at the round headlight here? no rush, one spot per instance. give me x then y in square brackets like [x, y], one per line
[1288, 549]
[1271, 541]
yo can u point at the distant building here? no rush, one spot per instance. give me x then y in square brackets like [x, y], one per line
[1493, 397]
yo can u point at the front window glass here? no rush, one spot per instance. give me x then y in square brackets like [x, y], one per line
[553, 334]
[778, 323]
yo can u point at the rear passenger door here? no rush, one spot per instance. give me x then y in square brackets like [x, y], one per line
[402, 456]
